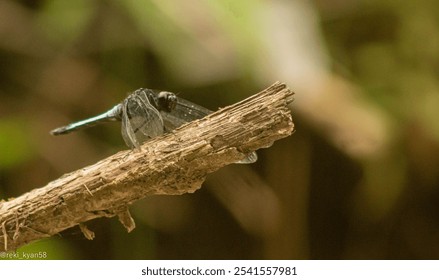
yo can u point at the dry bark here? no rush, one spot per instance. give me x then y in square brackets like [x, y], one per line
[172, 164]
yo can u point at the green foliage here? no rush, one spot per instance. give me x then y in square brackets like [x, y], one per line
[15, 144]
[63, 21]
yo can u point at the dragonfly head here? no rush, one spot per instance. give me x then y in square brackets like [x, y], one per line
[167, 101]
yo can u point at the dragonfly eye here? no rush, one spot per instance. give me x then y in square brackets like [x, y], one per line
[167, 100]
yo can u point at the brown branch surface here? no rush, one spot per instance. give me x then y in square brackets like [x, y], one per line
[172, 164]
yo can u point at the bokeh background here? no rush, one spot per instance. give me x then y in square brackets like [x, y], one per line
[358, 180]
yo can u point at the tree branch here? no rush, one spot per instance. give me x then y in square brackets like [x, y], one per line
[172, 164]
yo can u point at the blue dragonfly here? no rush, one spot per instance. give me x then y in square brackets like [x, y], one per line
[146, 114]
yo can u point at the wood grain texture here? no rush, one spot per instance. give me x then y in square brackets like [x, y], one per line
[172, 164]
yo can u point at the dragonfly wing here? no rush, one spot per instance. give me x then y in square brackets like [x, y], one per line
[185, 111]
[250, 158]
[140, 120]
[127, 129]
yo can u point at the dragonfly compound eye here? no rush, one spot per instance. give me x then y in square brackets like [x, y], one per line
[167, 100]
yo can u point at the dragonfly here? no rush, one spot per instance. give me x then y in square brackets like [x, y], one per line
[146, 114]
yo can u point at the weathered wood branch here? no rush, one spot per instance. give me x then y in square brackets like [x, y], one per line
[172, 164]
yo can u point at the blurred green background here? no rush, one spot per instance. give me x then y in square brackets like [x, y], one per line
[358, 180]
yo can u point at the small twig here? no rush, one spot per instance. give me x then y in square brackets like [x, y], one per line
[88, 190]
[126, 220]
[90, 235]
[5, 236]
[172, 164]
